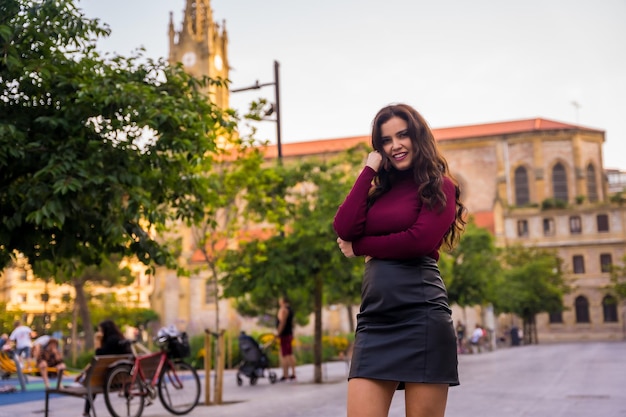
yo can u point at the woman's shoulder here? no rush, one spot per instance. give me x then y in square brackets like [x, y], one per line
[448, 185]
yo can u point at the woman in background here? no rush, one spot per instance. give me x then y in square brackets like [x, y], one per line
[108, 340]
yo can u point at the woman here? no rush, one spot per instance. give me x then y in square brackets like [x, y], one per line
[108, 340]
[403, 206]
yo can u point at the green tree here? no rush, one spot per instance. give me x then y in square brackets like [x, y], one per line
[108, 273]
[300, 260]
[7, 318]
[96, 153]
[232, 178]
[532, 282]
[470, 269]
[618, 279]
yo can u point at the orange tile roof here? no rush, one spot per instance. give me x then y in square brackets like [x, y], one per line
[222, 243]
[504, 128]
[441, 134]
[484, 219]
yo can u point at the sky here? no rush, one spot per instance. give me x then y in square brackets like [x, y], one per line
[457, 62]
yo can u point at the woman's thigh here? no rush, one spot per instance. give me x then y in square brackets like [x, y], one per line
[426, 400]
[370, 397]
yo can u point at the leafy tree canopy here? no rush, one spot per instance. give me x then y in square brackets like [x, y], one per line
[532, 282]
[299, 200]
[469, 270]
[618, 279]
[96, 152]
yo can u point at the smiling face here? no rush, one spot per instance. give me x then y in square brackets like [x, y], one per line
[396, 143]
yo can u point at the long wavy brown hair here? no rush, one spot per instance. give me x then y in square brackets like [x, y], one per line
[429, 166]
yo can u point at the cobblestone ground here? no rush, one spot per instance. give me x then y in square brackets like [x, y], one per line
[552, 380]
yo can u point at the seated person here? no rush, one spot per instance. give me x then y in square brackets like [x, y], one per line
[108, 340]
[49, 357]
[39, 344]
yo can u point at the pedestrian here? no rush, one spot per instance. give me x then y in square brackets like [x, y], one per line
[402, 208]
[460, 336]
[4, 338]
[284, 324]
[21, 336]
[108, 340]
[477, 338]
[49, 357]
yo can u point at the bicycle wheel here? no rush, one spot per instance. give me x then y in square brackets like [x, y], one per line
[123, 396]
[179, 387]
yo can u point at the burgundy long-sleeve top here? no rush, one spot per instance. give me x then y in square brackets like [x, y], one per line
[397, 225]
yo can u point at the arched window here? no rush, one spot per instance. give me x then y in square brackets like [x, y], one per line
[559, 182]
[609, 309]
[592, 189]
[582, 309]
[522, 192]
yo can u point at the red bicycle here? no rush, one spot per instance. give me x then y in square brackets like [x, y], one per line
[132, 385]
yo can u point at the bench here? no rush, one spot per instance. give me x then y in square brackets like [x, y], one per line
[91, 384]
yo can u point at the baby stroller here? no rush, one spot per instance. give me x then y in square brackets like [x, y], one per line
[254, 362]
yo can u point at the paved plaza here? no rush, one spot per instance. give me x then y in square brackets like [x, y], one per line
[551, 380]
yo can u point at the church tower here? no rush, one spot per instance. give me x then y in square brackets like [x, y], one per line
[201, 45]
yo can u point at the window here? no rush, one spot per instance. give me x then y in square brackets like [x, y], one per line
[559, 183]
[592, 189]
[582, 309]
[575, 225]
[579, 264]
[556, 317]
[522, 192]
[603, 222]
[522, 228]
[609, 309]
[606, 261]
[548, 227]
[23, 276]
[22, 297]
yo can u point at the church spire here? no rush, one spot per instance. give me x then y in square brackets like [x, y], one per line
[201, 46]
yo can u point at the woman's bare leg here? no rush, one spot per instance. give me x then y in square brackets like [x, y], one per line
[43, 370]
[370, 397]
[426, 400]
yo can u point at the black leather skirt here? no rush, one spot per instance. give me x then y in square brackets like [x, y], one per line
[404, 328]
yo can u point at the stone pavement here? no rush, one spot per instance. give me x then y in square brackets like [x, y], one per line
[551, 380]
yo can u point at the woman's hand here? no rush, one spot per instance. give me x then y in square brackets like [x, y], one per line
[97, 340]
[374, 160]
[346, 248]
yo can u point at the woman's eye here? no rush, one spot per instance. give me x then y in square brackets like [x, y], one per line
[386, 140]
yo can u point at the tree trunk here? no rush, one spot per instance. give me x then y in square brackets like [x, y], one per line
[85, 316]
[350, 309]
[530, 330]
[74, 333]
[216, 289]
[317, 344]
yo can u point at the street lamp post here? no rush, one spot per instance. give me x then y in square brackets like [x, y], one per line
[276, 85]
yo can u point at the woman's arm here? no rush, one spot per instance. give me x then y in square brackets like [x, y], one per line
[349, 222]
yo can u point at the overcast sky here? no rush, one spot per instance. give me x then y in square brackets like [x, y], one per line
[458, 62]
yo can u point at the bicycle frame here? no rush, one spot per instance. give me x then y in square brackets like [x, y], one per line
[148, 375]
[151, 382]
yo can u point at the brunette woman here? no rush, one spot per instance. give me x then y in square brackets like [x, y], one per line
[402, 208]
